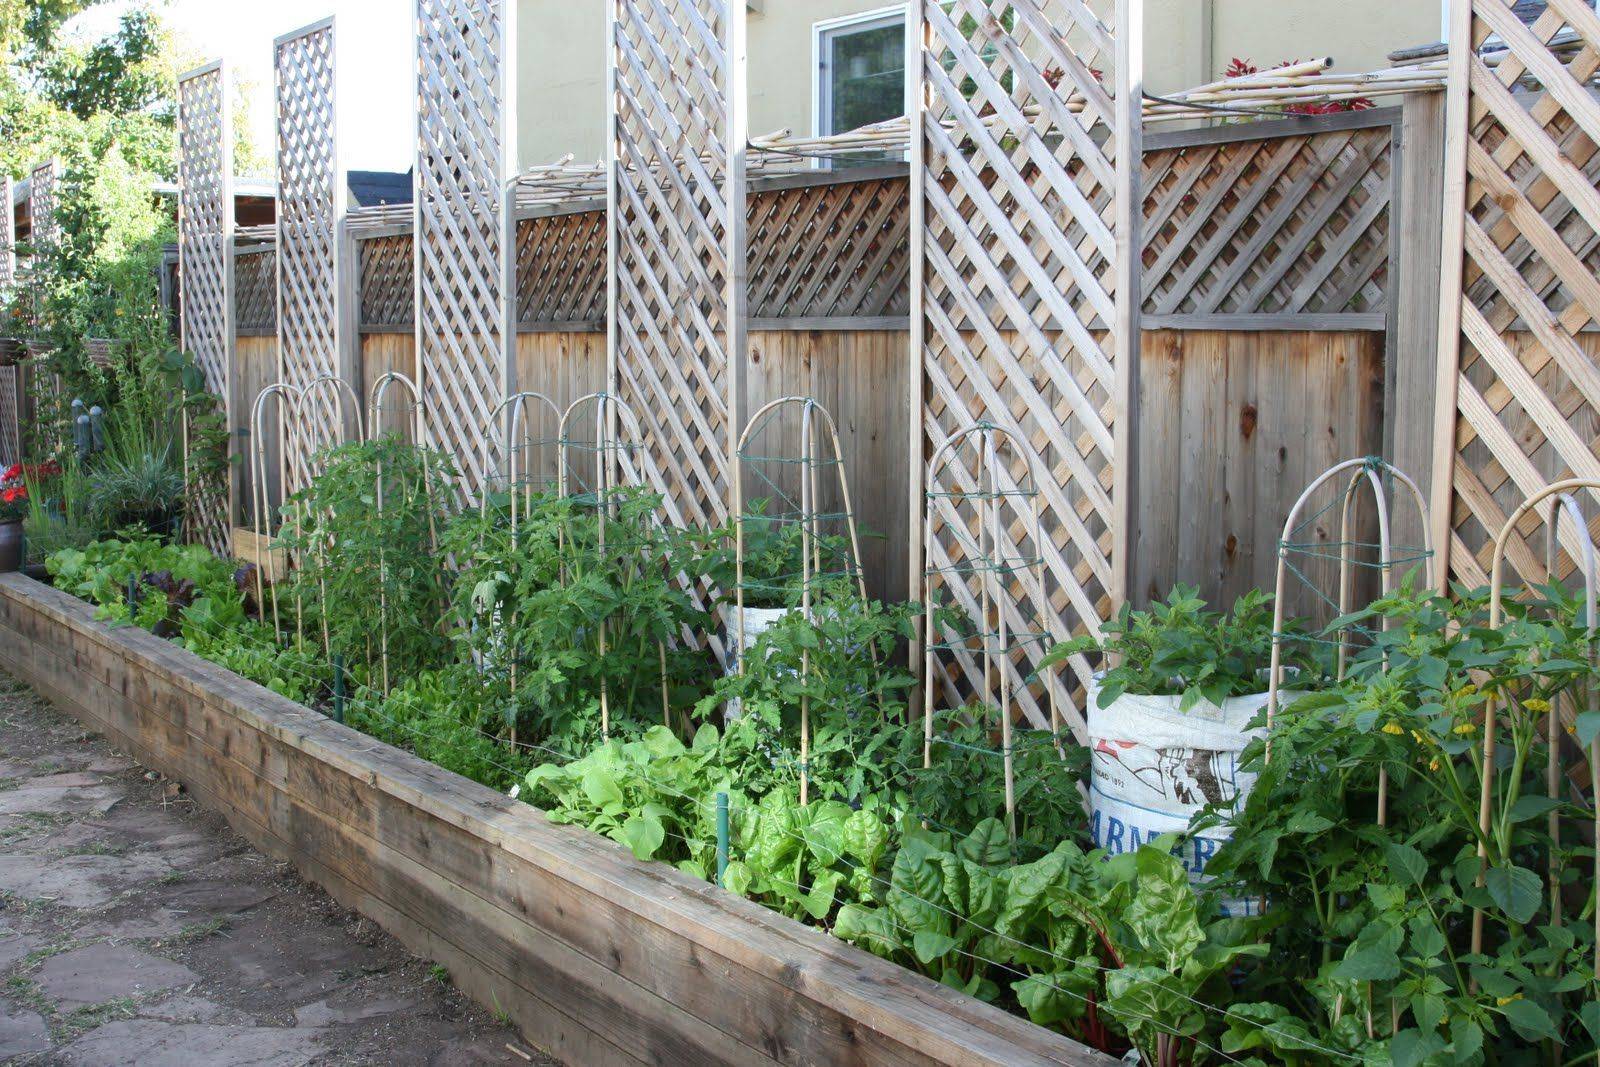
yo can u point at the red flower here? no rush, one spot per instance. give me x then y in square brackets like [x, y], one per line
[13, 494]
[13, 471]
[1238, 68]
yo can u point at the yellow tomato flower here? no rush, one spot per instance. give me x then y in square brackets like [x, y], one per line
[1467, 690]
[1433, 764]
[1503, 1001]
[1394, 728]
[1536, 704]
[1467, 728]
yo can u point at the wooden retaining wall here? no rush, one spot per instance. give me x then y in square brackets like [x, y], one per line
[599, 958]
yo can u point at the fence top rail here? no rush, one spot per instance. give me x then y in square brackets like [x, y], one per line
[1267, 129]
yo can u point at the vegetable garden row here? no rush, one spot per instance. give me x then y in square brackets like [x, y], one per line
[1330, 925]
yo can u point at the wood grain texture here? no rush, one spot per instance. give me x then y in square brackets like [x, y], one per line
[599, 958]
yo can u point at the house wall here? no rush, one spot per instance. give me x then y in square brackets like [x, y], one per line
[561, 54]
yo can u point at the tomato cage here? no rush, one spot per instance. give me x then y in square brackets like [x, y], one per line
[796, 546]
[1306, 540]
[981, 526]
[1575, 712]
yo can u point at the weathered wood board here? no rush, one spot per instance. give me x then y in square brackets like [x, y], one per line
[599, 958]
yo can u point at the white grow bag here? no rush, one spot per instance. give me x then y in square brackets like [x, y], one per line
[757, 621]
[1154, 767]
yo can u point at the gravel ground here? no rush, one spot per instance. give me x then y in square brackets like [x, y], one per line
[137, 928]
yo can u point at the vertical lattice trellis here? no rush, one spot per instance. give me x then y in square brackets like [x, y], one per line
[1025, 291]
[205, 252]
[1519, 389]
[677, 328]
[10, 393]
[311, 204]
[465, 248]
[42, 206]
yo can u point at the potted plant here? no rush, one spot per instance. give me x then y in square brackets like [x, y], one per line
[13, 509]
[137, 478]
[1169, 720]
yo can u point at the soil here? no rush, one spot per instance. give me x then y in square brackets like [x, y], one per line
[137, 928]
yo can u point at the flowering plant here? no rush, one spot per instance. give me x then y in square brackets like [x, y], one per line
[13, 494]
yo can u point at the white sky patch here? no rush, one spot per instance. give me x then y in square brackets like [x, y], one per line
[374, 41]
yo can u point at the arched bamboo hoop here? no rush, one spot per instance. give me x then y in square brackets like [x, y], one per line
[994, 439]
[511, 412]
[1368, 470]
[813, 418]
[609, 412]
[343, 391]
[1563, 501]
[375, 409]
[294, 395]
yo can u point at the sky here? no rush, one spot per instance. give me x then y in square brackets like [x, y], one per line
[374, 42]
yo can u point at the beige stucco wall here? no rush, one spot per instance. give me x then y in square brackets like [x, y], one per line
[561, 54]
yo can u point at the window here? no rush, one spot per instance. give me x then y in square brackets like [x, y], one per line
[860, 69]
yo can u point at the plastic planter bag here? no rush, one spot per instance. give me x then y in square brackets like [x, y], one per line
[1153, 767]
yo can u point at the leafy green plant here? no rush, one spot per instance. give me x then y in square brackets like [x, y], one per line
[137, 478]
[566, 607]
[1178, 647]
[369, 556]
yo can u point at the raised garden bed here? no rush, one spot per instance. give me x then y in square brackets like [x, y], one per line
[598, 957]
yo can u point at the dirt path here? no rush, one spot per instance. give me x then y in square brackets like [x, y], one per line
[136, 928]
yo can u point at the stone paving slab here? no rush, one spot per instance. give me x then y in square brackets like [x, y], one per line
[136, 928]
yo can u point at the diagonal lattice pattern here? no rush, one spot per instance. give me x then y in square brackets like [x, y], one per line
[678, 240]
[561, 273]
[10, 393]
[310, 204]
[255, 288]
[387, 289]
[829, 251]
[1270, 225]
[462, 249]
[1019, 293]
[205, 254]
[1526, 393]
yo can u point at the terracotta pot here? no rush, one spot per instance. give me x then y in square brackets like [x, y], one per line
[10, 546]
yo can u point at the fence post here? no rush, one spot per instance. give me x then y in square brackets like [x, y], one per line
[1410, 363]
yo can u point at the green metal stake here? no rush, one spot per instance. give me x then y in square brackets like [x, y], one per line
[722, 836]
[133, 595]
[338, 687]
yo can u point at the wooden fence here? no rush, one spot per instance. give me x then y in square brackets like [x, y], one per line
[1238, 223]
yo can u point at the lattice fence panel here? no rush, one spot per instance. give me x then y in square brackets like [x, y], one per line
[42, 206]
[311, 195]
[1524, 406]
[388, 289]
[1021, 255]
[561, 269]
[1287, 225]
[677, 145]
[205, 250]
[464, 251]
[255, 289]
[10, 391]
[830, 251]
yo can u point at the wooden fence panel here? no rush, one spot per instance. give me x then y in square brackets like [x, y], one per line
[1013, 193]
[464, 251]
[255, 288]
[205, 252]
[1519, 388]
[676, 155]
[310, 209]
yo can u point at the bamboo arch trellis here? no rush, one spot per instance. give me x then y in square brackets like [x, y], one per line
[614, 423]
[1371, 472]
[813, 419]
[1563, 502]
[375, 412]
[282, 391]
[985, 559]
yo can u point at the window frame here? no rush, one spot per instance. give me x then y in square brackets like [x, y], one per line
[821, 31]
